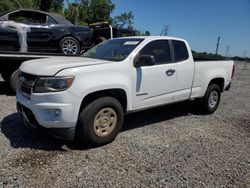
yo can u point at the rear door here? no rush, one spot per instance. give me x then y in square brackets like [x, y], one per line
[184, 66]
[155, 84]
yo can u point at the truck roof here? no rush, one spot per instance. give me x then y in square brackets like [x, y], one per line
[155, 37]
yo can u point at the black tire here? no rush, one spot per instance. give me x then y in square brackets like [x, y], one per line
[92, 133]
[211, 100]
[76, 48]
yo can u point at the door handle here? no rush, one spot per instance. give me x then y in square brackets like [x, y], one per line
[170, 72]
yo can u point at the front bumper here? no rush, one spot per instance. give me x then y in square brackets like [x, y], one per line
[30, 122]
[57, 113]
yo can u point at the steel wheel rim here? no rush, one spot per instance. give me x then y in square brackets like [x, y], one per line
[69, 46]
[213, 99]
[105, 122]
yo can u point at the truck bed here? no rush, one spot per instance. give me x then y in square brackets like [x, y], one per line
[204, 71]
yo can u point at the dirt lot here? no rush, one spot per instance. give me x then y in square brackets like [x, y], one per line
[171, 146]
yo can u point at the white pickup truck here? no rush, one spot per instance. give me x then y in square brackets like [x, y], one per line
[86, 97]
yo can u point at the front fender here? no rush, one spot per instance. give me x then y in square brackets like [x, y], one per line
[90, 79]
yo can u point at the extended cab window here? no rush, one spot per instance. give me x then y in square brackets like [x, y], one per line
[159, 49]
[180, 50]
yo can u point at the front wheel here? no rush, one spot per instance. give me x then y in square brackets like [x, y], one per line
[211, 100]
[100, 121]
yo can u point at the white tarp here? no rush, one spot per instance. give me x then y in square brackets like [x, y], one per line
[21, 30]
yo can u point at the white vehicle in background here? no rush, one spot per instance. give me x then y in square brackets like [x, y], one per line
[87, 97]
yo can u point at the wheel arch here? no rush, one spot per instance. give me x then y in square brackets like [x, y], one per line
[220, 81]
[69, 35]
[117, 93]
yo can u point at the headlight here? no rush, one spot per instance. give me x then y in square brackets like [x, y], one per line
[53, 84]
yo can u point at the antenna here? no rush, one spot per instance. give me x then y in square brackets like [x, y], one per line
[165, 30]
[217, 45]
[245, 56]
[245, 53]
[227, 51]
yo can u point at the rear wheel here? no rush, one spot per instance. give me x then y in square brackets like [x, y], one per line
[100, 121]
[211, 100]
[69, 46]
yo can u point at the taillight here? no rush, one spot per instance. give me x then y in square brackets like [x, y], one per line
[233, 71]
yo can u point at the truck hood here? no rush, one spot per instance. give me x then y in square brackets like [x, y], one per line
[50, 66]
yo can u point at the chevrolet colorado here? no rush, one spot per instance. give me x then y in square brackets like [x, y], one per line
[86, 97]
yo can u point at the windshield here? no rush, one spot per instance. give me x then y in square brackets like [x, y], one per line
[114, 50]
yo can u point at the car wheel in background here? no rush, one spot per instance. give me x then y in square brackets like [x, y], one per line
[70, 46]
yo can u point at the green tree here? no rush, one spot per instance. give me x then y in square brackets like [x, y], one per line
[45, 5]
[49, 5]
[147, 33]
[142, 33]
[206, 56]
[58, 6]
[89, 11]
[83, 13]
[99, 11]
[71, 13]
[6, 5]
[124, 19]
[25, 3]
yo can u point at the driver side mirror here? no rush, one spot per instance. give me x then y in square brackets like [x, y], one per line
[144, 60]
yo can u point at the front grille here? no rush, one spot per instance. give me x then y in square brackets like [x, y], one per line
[27, 82]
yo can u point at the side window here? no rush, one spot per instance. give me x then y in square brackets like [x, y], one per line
[28, 17]
[51, 20]
[159, 49]
[180, 50]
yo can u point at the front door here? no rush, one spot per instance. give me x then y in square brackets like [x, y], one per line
[155, 84]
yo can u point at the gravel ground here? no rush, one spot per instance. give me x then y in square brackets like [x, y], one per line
[171, 146]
